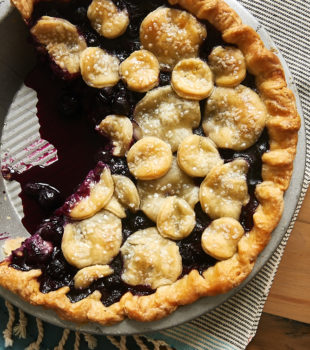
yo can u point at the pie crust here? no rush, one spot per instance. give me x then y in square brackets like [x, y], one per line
[282, 123]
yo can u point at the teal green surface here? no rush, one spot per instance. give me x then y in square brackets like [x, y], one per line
[52, 335]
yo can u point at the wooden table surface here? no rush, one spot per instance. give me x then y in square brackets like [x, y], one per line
[289, 298]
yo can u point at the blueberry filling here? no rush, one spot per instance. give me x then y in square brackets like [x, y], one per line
[75, 110]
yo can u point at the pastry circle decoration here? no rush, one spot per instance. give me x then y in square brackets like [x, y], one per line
[126, 192]
[99, 195]
[150, 259]
[174, 183]
[228, 66]
[92, 241]
[162, 113]
[125, 196]
[234, 117]
[87, 275]
[171, 35]
[140, 71]
[221, 237]
[175, 219]
[224, 190]
[107, 19]
[150, 158]
[98, 68]
[192, 79]
[62, 41]
[197, 155]
[119, 130]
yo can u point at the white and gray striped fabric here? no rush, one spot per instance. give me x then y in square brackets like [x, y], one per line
[234, 323]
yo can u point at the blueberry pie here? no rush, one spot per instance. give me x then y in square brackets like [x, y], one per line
[176, 135]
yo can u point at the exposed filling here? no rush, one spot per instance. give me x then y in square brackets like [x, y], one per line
[94, 121]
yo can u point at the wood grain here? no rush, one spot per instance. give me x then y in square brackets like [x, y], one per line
[277, 333]
[290, 293]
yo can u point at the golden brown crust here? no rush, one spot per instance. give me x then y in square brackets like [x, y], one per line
[25, 7]
[282, 124]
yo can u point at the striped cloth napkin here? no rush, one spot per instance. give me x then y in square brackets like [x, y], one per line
[232, 325]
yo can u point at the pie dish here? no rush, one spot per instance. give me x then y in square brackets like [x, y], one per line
[189, 279]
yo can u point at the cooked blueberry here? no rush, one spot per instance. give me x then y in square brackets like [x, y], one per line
[133, 30]
[188, 253]
[120, 88]
[80, 15]
[121, 105]
[141, 222]
[164, 78]
[119, 166]
[262, 148]
[56, 269]
[201, 216]
[69, 105]
[199, 227]
[127, 232]
[33, 189]
[134, 45]
[141, 290]
[91, 39]
[117, 264]
[51, 230]
[37, 250]
[122, 55]
[103, 156]
[103, 98]
[199, 131]
[119, 4]
[246, 217]
[112, 298]
[53, 13]
[108, 91]
[112, 282]
[49, 198]
[7, 172]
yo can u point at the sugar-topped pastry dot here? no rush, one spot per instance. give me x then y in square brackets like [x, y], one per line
[171, 35]
[228, 66]
[197, 155]
[162, 113]
[140, 71]
[107, 19]
[86, 276]
[174, 183]
[224, 191]
[126, 192]
[119, 130]
[221, 237]
[149, 158]
[192, 78]
[92, 241]
[149, 259]
[62, 41]
[98, 68]
[100, 194]
[176, 218]
[234, 117]
[115, 207]
[125, 196]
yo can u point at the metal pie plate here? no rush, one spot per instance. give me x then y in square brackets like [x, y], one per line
[17, 108]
